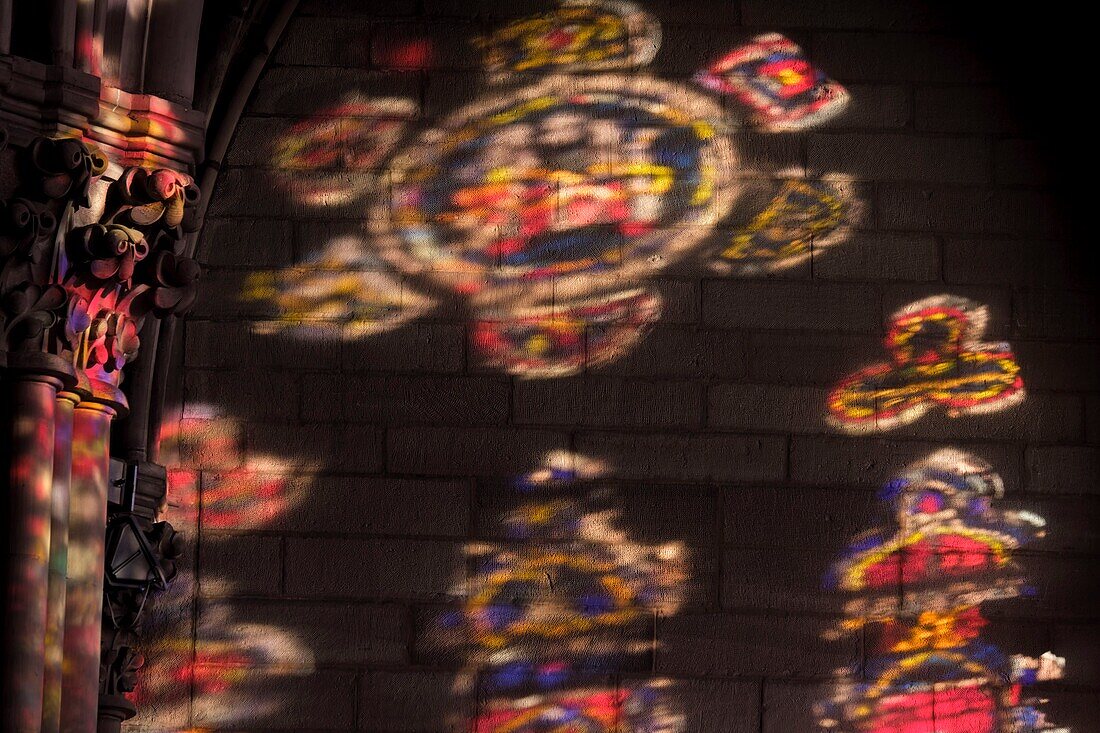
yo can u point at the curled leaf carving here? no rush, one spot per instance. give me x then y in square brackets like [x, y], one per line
[79, 318]
[111, 341]
[29, 310]
[155, 196]
[55, 176]
[64, 168]
[112, 250]
[24, 223]
[83, 292]
[119, 668]
[175, 283]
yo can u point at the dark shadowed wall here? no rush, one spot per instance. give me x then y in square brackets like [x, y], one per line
[354, 410]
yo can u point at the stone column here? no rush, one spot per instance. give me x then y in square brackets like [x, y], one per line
[172, 50]
[62, 15]
[90, 21]
[28, 384]
[87, 518]
[5, 26]
[72, 301]
[59, 551]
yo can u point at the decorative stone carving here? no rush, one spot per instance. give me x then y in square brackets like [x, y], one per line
[75, 287]
[128, 264]
[62, 169]
[55, 178]
[28, 311]
[83, 292]
[174, 284]
[123, 609]
[110, 251]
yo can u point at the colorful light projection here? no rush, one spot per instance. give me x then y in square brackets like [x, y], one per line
[550, 341]
[916, 589]
[937, 359]
[548, 206]
[333, 158]
[774, 78]
[343, 289]
[553, 615]
[218, 676]
[579, 36]
[214, 669]
[239, 489]
[537, 203]
[805, 217]
[556, 186]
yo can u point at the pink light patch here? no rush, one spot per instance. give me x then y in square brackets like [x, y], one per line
[772, 76]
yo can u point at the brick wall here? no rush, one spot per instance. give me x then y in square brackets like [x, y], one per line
[392, 448]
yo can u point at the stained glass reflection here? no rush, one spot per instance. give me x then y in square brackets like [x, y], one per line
[557, 613]
[916, 589]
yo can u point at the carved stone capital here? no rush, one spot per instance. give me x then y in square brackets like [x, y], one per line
[127, 265]
[54, 177]
[81, 292]
[61, 170]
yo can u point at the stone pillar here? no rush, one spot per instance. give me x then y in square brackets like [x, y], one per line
[90, 21]
[172, 50]
[87, 518]
[5, 26]
[72, 301]
[62, 14]
[114, 710]
[29, 386]
[59, 551]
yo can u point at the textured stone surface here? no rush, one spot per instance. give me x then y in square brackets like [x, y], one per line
[712, 427]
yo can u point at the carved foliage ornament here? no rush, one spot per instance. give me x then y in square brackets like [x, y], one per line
[123, 609]
[82, 292]
[127, 264]
[55, 178]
